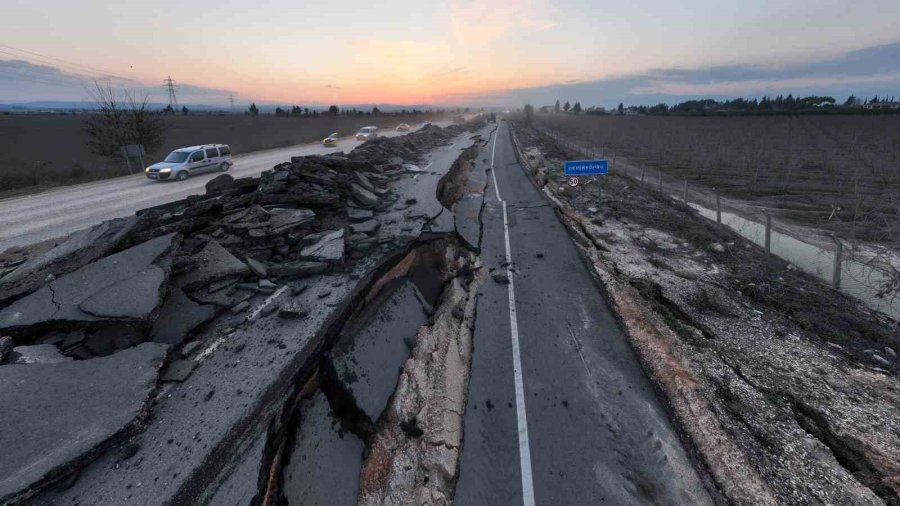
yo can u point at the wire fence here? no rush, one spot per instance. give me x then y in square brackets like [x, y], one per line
[862, 271]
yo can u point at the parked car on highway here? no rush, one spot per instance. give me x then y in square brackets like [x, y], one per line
[403, 127]
[186, 162]
[366, 133]
[330, 141]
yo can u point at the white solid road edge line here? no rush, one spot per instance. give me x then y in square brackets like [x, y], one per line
[524, 447]
[493, 175]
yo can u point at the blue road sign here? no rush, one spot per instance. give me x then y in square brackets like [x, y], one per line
[587, 167]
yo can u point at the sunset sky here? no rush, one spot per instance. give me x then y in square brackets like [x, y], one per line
[453, 52]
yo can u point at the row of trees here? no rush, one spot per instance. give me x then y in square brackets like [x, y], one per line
[298, 112]
[764, 105]
[567, 107]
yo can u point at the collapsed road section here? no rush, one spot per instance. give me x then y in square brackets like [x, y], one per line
[203, 325]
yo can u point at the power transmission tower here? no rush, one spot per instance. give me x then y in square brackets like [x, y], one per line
[231, 100]
[170, 86]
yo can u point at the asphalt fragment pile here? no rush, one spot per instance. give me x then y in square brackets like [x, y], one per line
[125, 301]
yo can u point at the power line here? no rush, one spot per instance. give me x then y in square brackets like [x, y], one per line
[77, 67]
[16, 73]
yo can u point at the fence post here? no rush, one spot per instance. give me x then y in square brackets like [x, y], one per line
[768, 233]
[718, 208]
[685, 191]
[838, 256]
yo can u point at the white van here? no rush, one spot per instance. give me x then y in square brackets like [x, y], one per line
[186, 162]
[366, 133]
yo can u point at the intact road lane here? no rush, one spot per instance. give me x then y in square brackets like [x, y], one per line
[559, 408]
[58, 212]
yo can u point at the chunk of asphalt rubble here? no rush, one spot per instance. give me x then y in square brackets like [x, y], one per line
[298, 269]
[357, 214]
[283, 220]
[500, 277]
[364, 181]
[881, 360]
[366, 227]
[125, 285]
[178, 317]
[257, 267]
[330, 248]
[190, 348]
[292, 311]
[213, 263]
[219, 183]
[363, 197]
[67, 417]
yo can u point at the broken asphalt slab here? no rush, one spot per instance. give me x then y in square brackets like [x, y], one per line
[324, 463]
[125, 285]
[330, 248]
[178, 316]
[78, 249]
[212, 263]
[60, 416]
[247, 368]
[368, 363]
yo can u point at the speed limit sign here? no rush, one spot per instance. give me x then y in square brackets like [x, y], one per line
[573, 181]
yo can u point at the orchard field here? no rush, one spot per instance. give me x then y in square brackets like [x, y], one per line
[840, 173]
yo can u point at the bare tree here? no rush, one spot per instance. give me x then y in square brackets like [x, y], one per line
[121, 119]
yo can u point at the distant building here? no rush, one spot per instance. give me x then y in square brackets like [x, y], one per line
[881, 106]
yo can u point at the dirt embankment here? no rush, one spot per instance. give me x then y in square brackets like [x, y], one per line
[26, 161]
[787, 390]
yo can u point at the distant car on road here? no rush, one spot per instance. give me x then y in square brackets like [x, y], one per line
[186, 162]
[366, 133]
[403, 127]
[330, 141]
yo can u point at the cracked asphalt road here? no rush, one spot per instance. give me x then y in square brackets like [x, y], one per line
[34, 218]
[559, 409]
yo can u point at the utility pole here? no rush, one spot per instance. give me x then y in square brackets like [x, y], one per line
[170, 86]
[231, 101]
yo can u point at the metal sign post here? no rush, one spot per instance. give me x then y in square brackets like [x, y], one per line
[573, 183]
[130, 151]
[575, 168]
